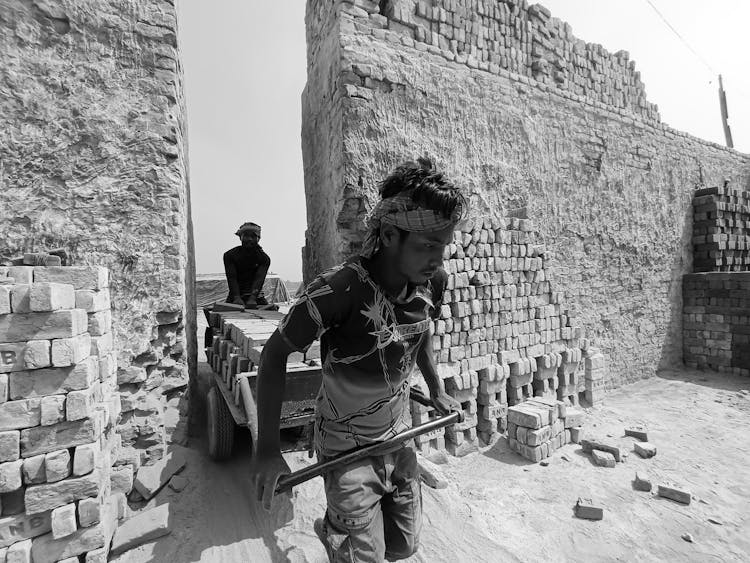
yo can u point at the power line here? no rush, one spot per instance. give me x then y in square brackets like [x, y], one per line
[677, 33]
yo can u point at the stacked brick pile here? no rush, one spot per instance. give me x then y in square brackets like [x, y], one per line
[58, 409]
[716, 321]
[537, 427]
[503, 335]
[595, 369]
[716, 299]
[721, 230]
[509, 36]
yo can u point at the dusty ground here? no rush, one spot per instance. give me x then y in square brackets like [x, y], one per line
[498, 507]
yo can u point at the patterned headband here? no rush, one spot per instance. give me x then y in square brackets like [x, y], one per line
[401, 211]
[248, 227]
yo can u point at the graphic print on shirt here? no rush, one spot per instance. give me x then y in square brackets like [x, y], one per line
[369, 345]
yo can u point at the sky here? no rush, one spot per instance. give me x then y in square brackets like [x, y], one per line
[245, 69]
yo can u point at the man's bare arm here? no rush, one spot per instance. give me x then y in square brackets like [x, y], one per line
[426, 363]
[268, 465]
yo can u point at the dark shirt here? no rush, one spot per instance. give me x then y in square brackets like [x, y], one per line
[243, 264]
[369, 343]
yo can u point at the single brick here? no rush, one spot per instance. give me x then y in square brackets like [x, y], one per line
[79, 404]
[80, 277]
[53, 410]
[100, 323]
[4, 387]
[642, 482]
[10, 445]
[19, 552]
[576, 435]
[44, 439]
[5, 299]
[121, 479]
[637, 432]
[604, 459]
[64, 521]
[644, 449]
[586, 509]
[538, 437]
[524, 417]
[54, 381]
[100, 345]
[57, 465]
[21, 327]
[71, 351]
[590, 445]
[11, 476]
[675, 494]
[15, 415]
[85, 458]
[19, 526]
[145, 526]
[19, 298]
[34, 470]
[93, 301]
[21, 274]
[89, 511]
[19, 356]
[99, 555]
[44, 297]
[40, 498]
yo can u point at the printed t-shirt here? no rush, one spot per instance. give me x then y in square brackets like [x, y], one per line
[368, 344]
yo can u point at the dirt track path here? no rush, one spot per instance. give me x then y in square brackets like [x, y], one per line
[498, 507]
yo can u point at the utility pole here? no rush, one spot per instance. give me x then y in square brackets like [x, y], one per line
[724, 114]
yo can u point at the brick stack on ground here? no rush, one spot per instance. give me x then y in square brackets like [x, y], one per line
[503, 334]
[721, 230]
[58, 409]
[716, 298]
[716, 321]
[539, 426]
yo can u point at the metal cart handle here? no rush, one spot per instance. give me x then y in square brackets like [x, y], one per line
[290, 480]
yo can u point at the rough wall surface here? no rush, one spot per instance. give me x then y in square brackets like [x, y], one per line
[322, 151]
[608, 185]
[93, 160]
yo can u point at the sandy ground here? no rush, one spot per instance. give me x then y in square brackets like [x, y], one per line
[499, 507]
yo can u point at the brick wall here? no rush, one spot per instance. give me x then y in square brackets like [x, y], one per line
[574, 143]
[58, 409]
[93, 160]
[716, 320]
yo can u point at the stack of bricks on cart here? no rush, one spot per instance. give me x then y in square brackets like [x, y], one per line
[539, 426]
[716, 298]
[234, 342]
[721, 230]
[503, 335]
[58, 409]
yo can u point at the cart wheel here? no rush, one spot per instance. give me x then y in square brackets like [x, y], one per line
[220, 427]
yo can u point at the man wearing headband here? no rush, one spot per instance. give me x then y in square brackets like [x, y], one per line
[246, 267]
[373, 315]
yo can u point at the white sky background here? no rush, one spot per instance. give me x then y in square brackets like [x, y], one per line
[245, 68]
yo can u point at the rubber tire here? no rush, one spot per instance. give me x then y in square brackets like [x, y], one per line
[221, 427]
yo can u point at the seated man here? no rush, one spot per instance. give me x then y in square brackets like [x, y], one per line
[246, 267]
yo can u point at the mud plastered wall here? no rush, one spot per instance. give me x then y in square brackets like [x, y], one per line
[93, 160]
[587, 158]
